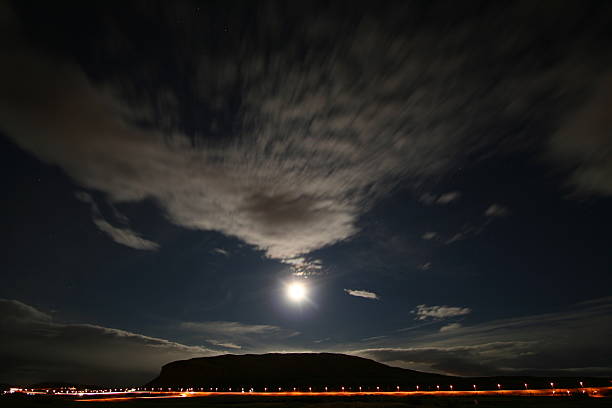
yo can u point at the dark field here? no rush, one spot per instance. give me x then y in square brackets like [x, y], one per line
[316, 402]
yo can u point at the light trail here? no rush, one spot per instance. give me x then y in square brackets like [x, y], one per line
[557, 392]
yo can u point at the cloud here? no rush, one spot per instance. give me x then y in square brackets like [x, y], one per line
[253, 337]
[449, 327]
[459, 360]
[448, 197]
[457, 237]
[233, 328]
[583, 144]
[429, 235]
[221, 251]
[496, 210]
[226, 345]
[424, 312]
[567, 342]
[442, 199]
[301, 266]
[425, 266]
[314, 143]
[120, 235]
[125, 236]
[37, 348]
[362, 293]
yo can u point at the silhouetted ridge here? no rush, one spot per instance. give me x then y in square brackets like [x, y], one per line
[285, 370]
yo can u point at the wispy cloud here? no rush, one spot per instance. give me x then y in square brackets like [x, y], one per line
[449, 327]
[301, 266]
[232, 328]
[237, 335]
[496, 210]
[125, 236]
[568, 342]
[121, 235]
[440, 199]
[447, 198]
[362, 293]
[429, 235]
[583, 144]
[38, 348]
[424, 312]
[221, 251]
[348, 146]
[222, 344]
[457, 237]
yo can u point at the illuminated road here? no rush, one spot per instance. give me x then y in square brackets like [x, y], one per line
[558, 392]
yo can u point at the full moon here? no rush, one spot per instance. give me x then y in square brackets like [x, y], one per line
[296, 291]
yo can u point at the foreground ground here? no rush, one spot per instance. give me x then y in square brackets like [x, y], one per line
[315, 402]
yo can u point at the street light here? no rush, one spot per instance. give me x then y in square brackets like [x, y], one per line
[451, 387]
[474, 387]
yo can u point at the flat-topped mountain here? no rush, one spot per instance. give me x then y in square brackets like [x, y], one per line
[320, 370]
[285, 370]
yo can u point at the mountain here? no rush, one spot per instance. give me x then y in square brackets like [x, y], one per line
[319, 370]
[288, 370]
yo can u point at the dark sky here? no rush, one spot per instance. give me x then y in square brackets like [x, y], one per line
[438, 175]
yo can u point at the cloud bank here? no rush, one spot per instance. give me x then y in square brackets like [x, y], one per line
[568, 342]
[315, 139]
[37, 348]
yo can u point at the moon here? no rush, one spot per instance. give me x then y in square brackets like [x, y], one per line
[296, 291]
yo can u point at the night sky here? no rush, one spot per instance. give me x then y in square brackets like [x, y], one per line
[437, 175]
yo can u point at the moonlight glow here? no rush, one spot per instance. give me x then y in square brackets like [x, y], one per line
[296, 291]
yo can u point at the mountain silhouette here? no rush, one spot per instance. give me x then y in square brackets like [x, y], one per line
[286, 370]
[304, 371]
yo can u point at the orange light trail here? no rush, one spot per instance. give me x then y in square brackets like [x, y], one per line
[558, 392]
